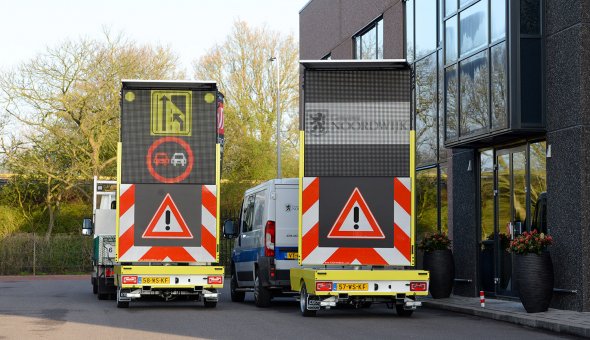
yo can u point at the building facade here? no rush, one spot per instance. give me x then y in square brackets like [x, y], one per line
[501, 106]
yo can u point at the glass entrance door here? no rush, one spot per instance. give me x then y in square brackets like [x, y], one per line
[511, 212]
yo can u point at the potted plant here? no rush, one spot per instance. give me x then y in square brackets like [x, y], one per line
[533, 270]
[438, 260]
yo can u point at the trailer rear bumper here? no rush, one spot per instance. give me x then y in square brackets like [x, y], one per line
[176, 278]
[343, 283]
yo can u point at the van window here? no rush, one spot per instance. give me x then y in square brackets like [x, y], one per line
[248, 213]
[259, 206]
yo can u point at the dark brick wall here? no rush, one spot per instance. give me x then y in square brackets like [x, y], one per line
[567, 28]
[327, 26]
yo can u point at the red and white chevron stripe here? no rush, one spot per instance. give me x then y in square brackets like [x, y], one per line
[397, 255]
[127, 251]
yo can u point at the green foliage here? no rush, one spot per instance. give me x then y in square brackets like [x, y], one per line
[530, 243]
[10, 220]
[435, 241]
[31, 253]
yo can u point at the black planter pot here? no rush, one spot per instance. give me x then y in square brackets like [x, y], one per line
[534, 278]
[441, 265]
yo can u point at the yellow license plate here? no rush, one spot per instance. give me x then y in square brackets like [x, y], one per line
[291, 256]
[155, 280]
[352, 286]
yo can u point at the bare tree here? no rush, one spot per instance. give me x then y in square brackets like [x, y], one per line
[66, 101]
[247, 78]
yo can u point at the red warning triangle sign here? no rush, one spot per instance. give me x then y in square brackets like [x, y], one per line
[167, 222]
[356, 220]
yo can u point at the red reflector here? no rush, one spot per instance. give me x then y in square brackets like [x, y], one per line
[129, 280]
[323, 286]
[215, 280]
[418, 286]
[108, 272]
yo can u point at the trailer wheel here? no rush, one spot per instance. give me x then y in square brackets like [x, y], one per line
[262, 295]
[121, 304]
[210, 304]
[303, 295]
[94, 287]
[233, 285]
[399, 308]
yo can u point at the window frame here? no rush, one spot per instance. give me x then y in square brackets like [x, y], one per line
[357, 44]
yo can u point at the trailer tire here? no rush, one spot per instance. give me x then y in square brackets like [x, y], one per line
[210, 304]
[94, 287]
[233, 285]
[401, 312]
[303, 295]
[262, 295]
[121, 304]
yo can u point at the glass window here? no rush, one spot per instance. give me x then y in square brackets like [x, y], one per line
[380, 39]
[442, 151]
[486, 190]
[426, 107]
[259, 209]
[464, 2]
[426, 202]
[444, 206]
[425, 27]
[530, 17]
[474, 93]
[538, 175]
[450, 7]
[499, 86]
[451, 40]
[498, 19]
[248, 214]
[409, 30]
[368, 45]
[474, 27]
[451, 102]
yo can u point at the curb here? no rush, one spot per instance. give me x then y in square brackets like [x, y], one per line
[533, 320]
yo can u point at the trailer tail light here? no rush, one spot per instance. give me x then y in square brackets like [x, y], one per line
[418, 286]
[323, 286]
[215, 280]
[269, 239]
[108, 272]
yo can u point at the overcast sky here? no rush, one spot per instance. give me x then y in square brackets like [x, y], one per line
[189, 27]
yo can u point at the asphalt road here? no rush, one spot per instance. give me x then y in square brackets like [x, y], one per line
[65, 308]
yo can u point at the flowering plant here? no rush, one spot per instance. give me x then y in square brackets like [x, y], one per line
[436, 241]
[533, 242]
[502, 238]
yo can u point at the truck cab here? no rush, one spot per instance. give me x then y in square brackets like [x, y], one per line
[266, 239]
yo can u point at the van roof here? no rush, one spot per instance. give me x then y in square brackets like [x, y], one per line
[291, 181]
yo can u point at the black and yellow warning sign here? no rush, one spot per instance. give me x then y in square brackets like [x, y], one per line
[168, 132]
[171, 113]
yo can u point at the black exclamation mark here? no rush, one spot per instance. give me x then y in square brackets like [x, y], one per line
[167, 219]
[356, 217]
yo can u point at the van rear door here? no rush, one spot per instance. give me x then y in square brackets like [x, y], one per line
[287, 216]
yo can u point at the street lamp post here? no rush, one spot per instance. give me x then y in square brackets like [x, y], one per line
[276, 59]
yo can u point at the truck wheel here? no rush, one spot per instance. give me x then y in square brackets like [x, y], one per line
[121, 304]
[94, 287]
[261, 294]
[210, 304]
[235, 296]
[303, 295]
[99, 289]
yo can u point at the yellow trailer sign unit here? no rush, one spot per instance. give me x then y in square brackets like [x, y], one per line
[168, 192]
[357, 175]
